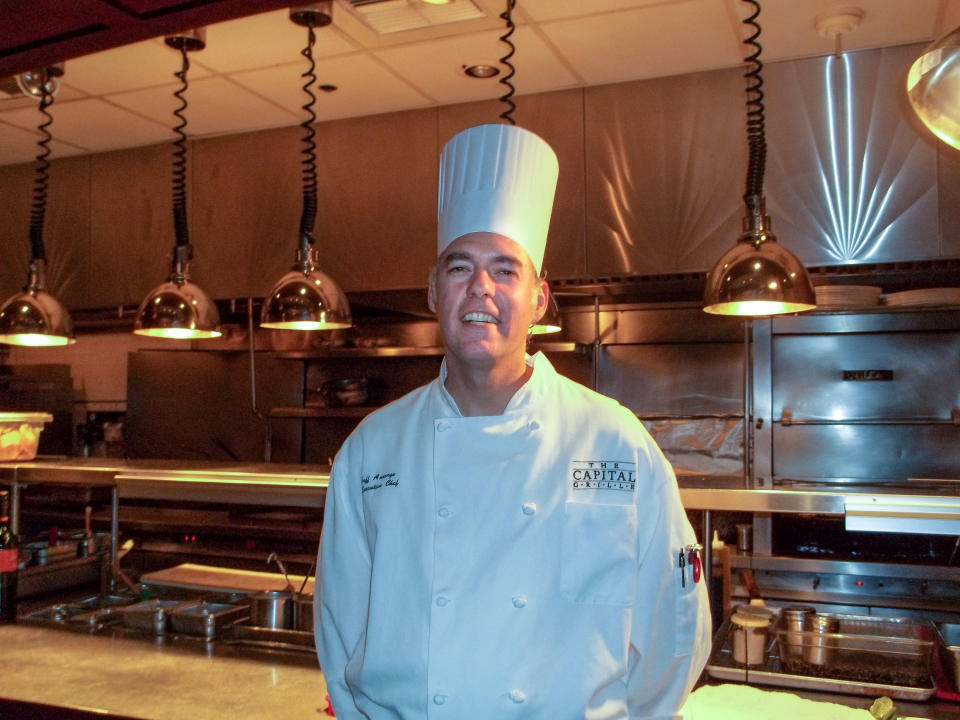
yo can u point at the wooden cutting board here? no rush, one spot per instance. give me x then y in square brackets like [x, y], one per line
[210, 577]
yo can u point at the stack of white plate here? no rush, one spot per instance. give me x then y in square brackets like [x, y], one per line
[847, 296]
[925, 296]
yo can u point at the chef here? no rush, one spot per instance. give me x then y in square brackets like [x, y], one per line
[504, 542]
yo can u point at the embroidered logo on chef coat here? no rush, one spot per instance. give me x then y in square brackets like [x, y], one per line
[375, 482]
[603, 475]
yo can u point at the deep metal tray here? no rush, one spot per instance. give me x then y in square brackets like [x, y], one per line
[722, 666]
[151, 616]
[949, 636]
[207, 619]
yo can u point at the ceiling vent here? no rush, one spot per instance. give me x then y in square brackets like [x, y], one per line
[392, 16]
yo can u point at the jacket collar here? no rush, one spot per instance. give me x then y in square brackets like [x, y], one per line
[521, 400]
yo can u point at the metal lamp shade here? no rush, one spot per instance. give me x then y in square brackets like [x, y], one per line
[933, 86]
[178, 311]
[550, 322]
[35, 318]
[306, 300]
[761, 279]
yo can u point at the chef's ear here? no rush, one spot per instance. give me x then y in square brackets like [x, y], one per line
[541, 297]
[432, 290]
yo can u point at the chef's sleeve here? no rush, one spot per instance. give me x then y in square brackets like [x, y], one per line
[670, 634]
[343, 578]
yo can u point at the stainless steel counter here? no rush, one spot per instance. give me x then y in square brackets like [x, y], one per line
[131, 678]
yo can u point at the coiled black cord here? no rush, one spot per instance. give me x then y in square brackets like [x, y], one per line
[507, 97]
[180, 227]
[755, 119]
[309, 214]
[38, 208]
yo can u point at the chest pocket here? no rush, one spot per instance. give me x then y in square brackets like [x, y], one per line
[599, 561]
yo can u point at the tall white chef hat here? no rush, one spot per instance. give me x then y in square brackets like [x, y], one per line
[499, 179]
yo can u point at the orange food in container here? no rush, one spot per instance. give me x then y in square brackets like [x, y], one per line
[20, 433]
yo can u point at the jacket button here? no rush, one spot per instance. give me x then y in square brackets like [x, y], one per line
[517, 696]
[534, 425]
[520, 601]
[442, 426]
[444, 512]
[442, 601]
[529, 508]
[439, 699]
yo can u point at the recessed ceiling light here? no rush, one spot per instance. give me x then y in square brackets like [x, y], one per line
[436, 2]
[481, 71]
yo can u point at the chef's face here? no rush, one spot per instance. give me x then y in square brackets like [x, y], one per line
[486, 294]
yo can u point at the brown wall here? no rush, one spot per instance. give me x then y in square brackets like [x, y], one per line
[651, 177]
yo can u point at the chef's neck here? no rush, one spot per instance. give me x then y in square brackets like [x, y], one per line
[484, 389]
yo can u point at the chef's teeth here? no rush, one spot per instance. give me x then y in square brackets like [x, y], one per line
[479, 317]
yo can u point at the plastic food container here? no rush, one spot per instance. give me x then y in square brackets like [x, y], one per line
[20, 433]
[861, 648]
[750, 629]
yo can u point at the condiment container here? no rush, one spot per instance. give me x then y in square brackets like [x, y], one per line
[303, 613]
[821, 645]
[20, 434]
[272, 609]
[794, 621]
[750, 629]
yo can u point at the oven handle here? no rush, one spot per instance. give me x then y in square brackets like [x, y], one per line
[787, 419]
[939, 516]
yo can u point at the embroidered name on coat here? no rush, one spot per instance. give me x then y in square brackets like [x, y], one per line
[603, 475]
[375, 482]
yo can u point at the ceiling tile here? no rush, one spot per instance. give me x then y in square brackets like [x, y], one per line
[951, 19]
[140, 65]
[436, 67]
[216, 105]
[364, 88]
[790, 31]
[653, 41]
[95, 125]
[542, 10]
[20, 146]
[267, 39]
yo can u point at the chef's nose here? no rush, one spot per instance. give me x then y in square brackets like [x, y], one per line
[481, 283]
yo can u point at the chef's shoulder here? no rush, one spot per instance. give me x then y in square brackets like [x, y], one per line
[597, 409]
[395, 416]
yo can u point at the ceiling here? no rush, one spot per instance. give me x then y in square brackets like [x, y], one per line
[248, 76]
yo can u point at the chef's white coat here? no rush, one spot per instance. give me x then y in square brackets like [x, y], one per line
[524, 565]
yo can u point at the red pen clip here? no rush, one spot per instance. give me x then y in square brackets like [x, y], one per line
[693, 560]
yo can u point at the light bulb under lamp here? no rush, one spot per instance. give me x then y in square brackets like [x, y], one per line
[180, 311]
[306, 300]
[758, 277]
[933, 86]
[34, 317]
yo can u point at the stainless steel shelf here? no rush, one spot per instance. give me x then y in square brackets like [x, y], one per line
[308, 413]
[361, 352]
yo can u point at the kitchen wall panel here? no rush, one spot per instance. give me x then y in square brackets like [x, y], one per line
[651, 179]
[131, 224]
[15, 195]
[665, 161]
[66, 235]
[377, 178]
[850, 176]
[948, 175]
[558, 118]
[246, 195]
